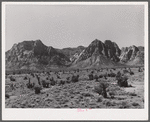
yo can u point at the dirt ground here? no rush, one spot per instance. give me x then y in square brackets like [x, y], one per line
[79, 94]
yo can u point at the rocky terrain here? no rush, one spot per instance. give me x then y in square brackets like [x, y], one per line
[34, 55]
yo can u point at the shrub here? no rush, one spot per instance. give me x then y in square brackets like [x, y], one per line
[112, 94]
[132, 94]
[37, 89]
[125, 71]
[75, 78]
[25, 78]
[111, 75]
[96, 77]
[100, 99]
[58, 77]
[12, 79]
[62, 82]
[101, 89]
[100, 76]
[68, 80]
[91, 77]
[109, 103]
[6, 96]
[135, 104]
[45, 84]
[114, 69]
[131, 73]
[52, 81]
[29, 84]
[122, 81]
[139, 69]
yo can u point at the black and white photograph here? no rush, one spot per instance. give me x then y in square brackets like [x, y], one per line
[75, 60]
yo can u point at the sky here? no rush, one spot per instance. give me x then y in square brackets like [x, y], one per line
[64, 26]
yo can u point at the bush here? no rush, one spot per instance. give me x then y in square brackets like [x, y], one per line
[131, 73]
[100, 76]
[132, 94]
[75, 78]
[112, 94]
[91, 77]
[62, 82]
[101, 89]
[52, 81]
[100, 99]
[122, 81]
[12, 79]
[37, 89]
[45, 84]
[68, 80]
[6, 96]
[135, 104]
[25, 78]
[111, 75]
[29, 84]
[96, 77]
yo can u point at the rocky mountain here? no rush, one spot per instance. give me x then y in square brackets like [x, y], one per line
[35, 55]
[132, 55]
[99, 54]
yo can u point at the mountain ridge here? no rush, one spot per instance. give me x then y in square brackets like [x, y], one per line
[36, 55]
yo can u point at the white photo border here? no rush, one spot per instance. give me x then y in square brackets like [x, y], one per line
[72, 114]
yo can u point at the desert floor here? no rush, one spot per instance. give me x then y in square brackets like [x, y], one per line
[77, 95]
